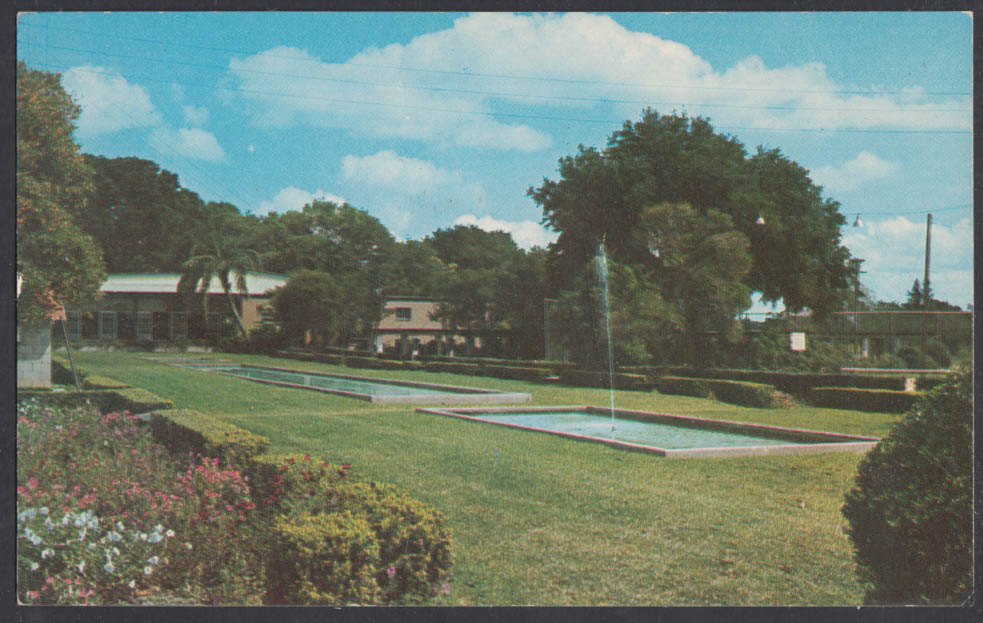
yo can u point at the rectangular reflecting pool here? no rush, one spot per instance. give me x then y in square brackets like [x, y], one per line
[361, 387]
[663, 434]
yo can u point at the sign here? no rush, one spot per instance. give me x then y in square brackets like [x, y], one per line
[797, 340]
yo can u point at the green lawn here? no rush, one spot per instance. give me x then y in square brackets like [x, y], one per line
[543, 520]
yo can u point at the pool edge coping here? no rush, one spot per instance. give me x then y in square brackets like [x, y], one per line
[856, 443]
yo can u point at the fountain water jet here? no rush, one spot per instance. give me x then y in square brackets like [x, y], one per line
[602, 278]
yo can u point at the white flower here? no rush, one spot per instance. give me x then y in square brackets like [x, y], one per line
[187, 546]
[114, 536]
[120, 526]
[35, 566]
[43, 510]
[81, 567]
[50, 525]
[158, 528]
[67, 518]
[143, 536]
[47, 553]
[148, 570]
[93, 523]
[92, 547]
[132, 584]
[109, 567]
[153, 560]
[82, 533]
[155, 538]
[116, 551]
[169, 533]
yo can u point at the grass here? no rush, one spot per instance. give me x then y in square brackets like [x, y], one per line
[543, 520]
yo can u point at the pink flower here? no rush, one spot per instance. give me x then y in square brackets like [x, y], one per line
[32, 594]
[32, 483]
[390, 571]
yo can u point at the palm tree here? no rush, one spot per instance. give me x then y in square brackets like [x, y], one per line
[227, 262]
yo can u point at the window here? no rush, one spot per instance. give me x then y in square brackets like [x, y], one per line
[179, 325]
[107, 325]
[73, 325]
[404, 313]
[144, 324]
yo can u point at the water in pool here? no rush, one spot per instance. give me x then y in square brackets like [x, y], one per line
[659, 435]
[329, 382]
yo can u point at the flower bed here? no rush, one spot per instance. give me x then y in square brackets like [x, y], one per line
[105, 516]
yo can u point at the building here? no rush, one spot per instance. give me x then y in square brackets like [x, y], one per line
[148, 307]
[408, 325]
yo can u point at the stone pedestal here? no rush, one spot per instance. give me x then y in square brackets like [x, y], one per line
[34, 357]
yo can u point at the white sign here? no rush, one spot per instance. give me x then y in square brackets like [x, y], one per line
[797, 340]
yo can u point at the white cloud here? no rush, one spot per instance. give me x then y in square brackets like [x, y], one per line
[389, 170]
[195, 115]
[852, 173]
[589, 64]
[109, 103]
[188, 142]
[527, 234]
[292, 198]
[894, 256]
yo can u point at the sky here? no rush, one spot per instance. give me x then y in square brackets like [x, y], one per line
[430, 120]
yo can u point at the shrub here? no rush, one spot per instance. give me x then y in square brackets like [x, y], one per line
[910, 512]
[742, 393]
[586, 378]
[381, 364]
[881, 400]
[683, 386]
[516, 373]
[322, 559]
[472, 369]
[186, 431]
[414, 547]
[102, 382]
[61, 373]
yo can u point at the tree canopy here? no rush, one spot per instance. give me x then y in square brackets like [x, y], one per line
[674, 159]
[59, 262]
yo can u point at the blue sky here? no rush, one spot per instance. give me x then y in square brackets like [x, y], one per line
[427, 120]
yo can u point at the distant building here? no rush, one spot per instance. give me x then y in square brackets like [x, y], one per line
[408, 325]
[148, 307]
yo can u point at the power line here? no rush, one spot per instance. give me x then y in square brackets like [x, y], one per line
[485, 93]
[492, 114]
[491, 75]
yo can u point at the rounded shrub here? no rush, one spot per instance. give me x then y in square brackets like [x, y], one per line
[322, 559]
[910, 513]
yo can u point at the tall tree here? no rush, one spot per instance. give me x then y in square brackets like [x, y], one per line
[59, 263]
[140, 215]
[796, 252]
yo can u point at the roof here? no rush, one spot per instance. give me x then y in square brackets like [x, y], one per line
[166, 283]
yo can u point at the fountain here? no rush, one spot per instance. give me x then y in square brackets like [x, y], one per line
[602, 279]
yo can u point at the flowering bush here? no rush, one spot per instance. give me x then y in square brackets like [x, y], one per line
[69, 557]
[106, 467]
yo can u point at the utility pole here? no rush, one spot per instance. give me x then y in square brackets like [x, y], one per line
[925, 291]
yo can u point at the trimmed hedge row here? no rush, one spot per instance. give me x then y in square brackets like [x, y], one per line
[380, 364]
[516, 373]
[620, 380]
[883, 400]
[796, 383]
[102, 382]
[513, 363]
[335, 360]
[133, 399]
[183, 430]
[683, 386]
[733, 392]
[472, 369]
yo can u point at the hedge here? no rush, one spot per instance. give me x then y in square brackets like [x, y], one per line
[182, 430]
[103, 382]
[413, 545]
[796, 383]
[733, 392]
[683, 386]
[133, 399]
[335, 360]
[882, 400]
[620, 380]
[381, 364]
[516, 373]
[515, 363]
[472, 369]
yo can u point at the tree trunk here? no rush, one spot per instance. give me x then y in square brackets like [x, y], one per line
[235, 314]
